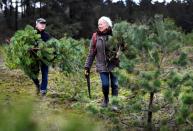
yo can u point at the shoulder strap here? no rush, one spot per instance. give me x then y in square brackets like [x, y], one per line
[94, 40]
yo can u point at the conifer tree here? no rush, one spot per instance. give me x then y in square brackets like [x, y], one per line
[150, 48]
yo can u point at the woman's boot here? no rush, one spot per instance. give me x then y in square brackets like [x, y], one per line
[106, 98]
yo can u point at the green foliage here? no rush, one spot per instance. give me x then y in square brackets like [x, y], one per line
[186, 95]
[185, 111]
[49, 52]
[170, 24]
[75, 124]
[188, 78]
[136, 104]
[151, 45]
[182, 60]
[149, 80]
[188, 39]
[73, 55]
[121, 41]
[126, 63]
[123, 78]
[17, 117]
[187, 98]
[20, 54]
[174, 79]
[17, 54]
[140, 38]
[92, 108]
[164, 128]
[168, 95]
[167, 37]
[71, 86]
[115, 101]
[62, 53]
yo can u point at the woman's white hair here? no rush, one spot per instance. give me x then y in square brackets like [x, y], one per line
[107, 19]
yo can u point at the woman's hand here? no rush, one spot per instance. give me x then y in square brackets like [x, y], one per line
[86, 72]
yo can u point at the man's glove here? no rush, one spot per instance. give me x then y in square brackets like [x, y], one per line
[86, 71]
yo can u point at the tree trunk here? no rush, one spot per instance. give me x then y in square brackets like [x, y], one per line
[40, 9]
[11, 8]
[16, 15]
[34, 9]
[149, 117]
[28, 8]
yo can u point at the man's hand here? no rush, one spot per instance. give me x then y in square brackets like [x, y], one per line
[34, 49]
[86, 72]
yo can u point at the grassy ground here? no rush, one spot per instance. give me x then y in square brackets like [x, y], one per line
[22, 109]
[65, 108]
[68, 108]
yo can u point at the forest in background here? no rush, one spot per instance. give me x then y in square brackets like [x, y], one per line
[78, 18]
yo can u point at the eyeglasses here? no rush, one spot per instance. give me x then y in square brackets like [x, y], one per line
[42, 22]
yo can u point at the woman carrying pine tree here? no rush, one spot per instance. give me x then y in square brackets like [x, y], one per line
[104, 65]
[40, 65]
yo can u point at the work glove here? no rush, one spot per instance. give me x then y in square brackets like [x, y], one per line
[86, 71]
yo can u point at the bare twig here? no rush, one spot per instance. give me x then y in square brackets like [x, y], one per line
[189, 122]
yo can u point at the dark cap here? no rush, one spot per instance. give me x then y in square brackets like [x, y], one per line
[41, 20]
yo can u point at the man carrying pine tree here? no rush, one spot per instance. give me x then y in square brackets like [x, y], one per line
[39, 64]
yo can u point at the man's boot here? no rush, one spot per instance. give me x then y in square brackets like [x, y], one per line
[37, 89]
[36, 82]
[43, 92]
